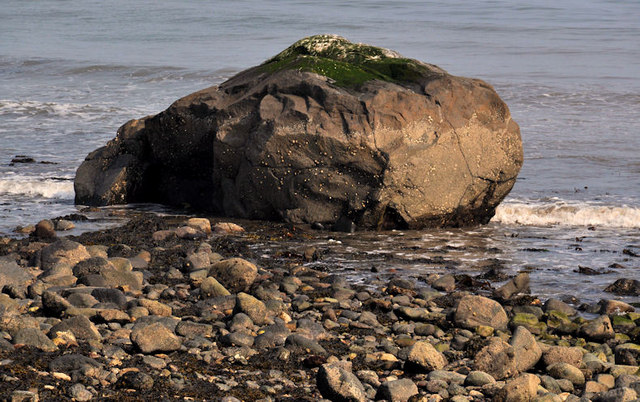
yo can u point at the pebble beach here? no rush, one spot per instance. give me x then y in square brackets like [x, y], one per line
[179, 308]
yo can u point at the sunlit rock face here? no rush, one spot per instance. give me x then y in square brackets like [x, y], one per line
[325, 131]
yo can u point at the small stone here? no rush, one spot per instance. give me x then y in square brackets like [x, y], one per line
[497, 358]
[81, 327]
[599, 329]
[24, 396]
[210, 287]
[154, 338]
[135, 380]
[473, 311]
[566, 371]
[609, 307]
[34, 337]
[617, 395]
[522, 388]
[526, 349]
[252, 307]
[422, 356]
[519, 284]
[338, 384]
[446, 283]
[624, 287]
[45, 229]
[163, 235]
[478, 379]
[562, 354]
[397, 391]
[227, 228]
[235, 274]
[63, 225]
[79, 392]
[189, 233]
[201, 224]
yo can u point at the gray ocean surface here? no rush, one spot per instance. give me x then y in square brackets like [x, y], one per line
[72, 72]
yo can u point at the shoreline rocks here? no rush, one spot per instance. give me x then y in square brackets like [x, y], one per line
[284, 331]
[327, 132]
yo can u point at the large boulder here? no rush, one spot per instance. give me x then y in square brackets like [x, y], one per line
[325, 131]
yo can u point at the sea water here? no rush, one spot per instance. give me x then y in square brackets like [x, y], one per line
[72, 72]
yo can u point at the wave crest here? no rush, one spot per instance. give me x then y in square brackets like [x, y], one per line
[563, 213]
[34, 187]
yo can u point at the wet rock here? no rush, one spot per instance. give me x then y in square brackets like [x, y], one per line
[258, 113]
[497, 359]
[473, 311]
[526, 349]
[446, 283]
[559, 305]
[154, 337]
[45, 229]
[521, 388]
[628, 354]
[519, 284]
[609, 307]
[63, 225]
[397, 390]
[566, 371]
[338, 384]
[529, 321]
[422, 356]
[235, 274]
[624, 287]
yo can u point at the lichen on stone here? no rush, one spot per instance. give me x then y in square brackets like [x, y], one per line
[347, 64]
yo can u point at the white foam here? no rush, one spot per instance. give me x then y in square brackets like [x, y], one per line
[565, 213]
[36, 187]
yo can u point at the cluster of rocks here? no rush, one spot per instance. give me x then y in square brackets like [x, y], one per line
[178, 313]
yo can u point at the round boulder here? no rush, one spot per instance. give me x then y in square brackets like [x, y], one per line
[326, 131]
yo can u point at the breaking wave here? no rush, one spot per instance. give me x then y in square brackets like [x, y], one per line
[37, 187]
[565, 213]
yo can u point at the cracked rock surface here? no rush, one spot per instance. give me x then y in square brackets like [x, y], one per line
[325, 131]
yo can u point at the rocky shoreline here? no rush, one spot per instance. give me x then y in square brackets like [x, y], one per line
[173, 308]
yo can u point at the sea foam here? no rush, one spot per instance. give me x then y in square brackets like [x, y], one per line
[563, 213]
[37, 187]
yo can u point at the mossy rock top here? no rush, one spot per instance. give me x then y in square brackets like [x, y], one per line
[349, 64]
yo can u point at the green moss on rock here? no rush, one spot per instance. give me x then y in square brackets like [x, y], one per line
[347, 64]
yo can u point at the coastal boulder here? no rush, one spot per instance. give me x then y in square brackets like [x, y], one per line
[326, 131]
